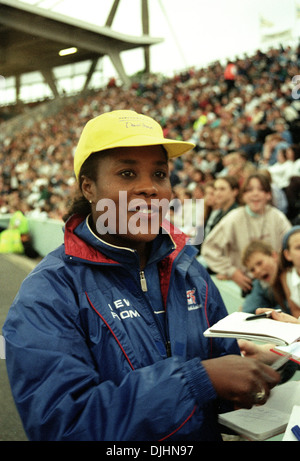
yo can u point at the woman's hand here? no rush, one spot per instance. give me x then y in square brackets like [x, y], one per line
[280, 316]
[240, 379]
[263, 352]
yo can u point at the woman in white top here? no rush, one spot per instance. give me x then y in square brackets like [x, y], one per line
[282, 170]
[256, 220]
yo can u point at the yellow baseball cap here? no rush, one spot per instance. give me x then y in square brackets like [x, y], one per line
[123, 128]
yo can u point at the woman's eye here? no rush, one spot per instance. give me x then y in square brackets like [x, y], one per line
[127, 173]
[161, 174]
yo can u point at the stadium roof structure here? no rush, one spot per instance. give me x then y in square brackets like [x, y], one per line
[31, 38]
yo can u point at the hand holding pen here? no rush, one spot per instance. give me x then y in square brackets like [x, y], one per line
[263, 315]
[277, 314]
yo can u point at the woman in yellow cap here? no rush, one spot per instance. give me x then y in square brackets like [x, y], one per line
[105, 338]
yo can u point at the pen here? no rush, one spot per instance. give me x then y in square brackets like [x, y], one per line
[264, 315]
[296, 432]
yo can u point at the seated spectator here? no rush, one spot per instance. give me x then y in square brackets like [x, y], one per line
[273, 143]
[292, 191]
[262, 262]
[279, 198]
[281, 127]
[293, 197]
[210, 207]
[290, 271]
[255, 220]
[293, 154]
[282, 170]
[192, 105]
[226, 196]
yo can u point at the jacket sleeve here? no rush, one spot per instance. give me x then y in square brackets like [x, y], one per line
[58, 391]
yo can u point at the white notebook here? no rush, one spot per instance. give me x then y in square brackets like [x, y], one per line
[292, 349]
[264, 329]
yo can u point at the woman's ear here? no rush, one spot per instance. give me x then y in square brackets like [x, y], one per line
[88, 188]
[286, 254]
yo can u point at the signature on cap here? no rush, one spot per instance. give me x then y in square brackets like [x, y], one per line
[131, 124]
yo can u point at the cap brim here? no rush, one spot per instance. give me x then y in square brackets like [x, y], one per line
[173, 147]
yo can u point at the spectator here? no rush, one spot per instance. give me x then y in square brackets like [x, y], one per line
[290, 271]
[262, 262]
[226, 195]
[255, 220]
[279, 198]
[274, 143]
[210, 207]
[194, 104]
[282, 170]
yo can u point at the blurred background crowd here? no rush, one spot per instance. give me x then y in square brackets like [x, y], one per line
[243, 116]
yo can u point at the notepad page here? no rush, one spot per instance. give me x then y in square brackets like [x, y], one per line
[267, 329]
[259, 423]
[264, 421]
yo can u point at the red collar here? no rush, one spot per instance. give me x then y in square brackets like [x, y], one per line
[75, 246]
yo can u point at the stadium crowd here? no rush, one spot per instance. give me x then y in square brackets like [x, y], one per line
[243, 117]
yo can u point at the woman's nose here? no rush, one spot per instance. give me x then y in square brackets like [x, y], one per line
[147, 187]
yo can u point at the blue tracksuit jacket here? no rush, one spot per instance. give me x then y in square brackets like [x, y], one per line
[97, 350]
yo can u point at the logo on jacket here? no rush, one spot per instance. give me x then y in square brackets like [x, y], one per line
[191, 300]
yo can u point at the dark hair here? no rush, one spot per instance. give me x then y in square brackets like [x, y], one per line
[296, 150]
[264, 182]
[80, 205]
[233, 183]
[283, 151]
[231, 180]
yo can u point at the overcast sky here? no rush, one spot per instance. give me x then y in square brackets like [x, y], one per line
[195, 32]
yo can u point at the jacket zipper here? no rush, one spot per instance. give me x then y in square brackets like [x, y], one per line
[144, 289]
[143, 281]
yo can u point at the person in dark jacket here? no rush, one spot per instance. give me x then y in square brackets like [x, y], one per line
[104, 340]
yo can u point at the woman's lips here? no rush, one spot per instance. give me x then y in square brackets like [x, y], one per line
[143, 210]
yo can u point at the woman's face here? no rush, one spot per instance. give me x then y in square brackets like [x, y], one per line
[131, 181]
[292, 254]
[280, 157]
[224, 194]
[209, 196]
[256, 197]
